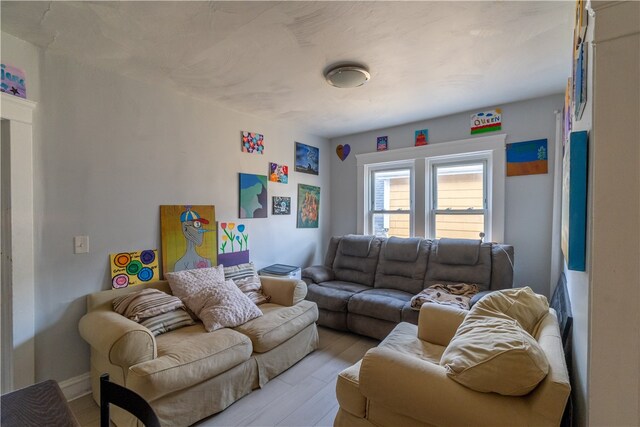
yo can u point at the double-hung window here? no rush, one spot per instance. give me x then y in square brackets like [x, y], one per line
[458, 199]
[391, 212]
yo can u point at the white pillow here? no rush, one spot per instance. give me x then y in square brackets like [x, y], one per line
[189, 282]
[222, 306]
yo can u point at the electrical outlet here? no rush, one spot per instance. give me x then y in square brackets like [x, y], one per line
[81, 245]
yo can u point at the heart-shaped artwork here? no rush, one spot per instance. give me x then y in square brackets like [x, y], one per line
[343, 151]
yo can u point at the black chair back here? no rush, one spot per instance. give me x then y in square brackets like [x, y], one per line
[130, 401]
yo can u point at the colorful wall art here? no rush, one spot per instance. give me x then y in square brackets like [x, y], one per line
[382, 143]
[134, 268]
[308, 206]
[281, 205]
[253, 196]
[278, 173]
[252, 142]
[233, 244]
[307, 159]
[188, 237]
[486, 121]
[343, 151]
[422, 137]
[574, 201]
[12, 81]
[527, 158]
[580, 81]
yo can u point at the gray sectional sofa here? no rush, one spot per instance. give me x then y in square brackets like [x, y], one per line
[367, 282]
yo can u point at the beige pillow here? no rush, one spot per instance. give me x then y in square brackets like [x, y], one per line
[520, 304]
[145, 303]
[246, 278]
[190, 282]
[490, 354]
[222, 306]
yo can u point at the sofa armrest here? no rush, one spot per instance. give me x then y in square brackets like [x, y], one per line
[318, 274]
[124, 342]
[438, 323]
[421, 390]
[287, 292]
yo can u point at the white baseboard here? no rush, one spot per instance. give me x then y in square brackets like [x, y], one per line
[76, 387]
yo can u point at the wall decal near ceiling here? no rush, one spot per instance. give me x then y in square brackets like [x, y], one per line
[343, 151]
[134, 268]
[574, 201]
[278, 173]
[233, 243]
[252, 142]
[486, 121]
[382, 143]
[308, 206]
[422, 137]
[307, 159]
[281, 205]
[12, 81]
[253, 196]
[188, 237]
[527, 158]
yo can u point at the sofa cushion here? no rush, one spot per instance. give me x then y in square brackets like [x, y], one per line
[385, 304]
[334, 295]
[145, 303]
[357, 269]
[278, 324]
[165, 322]
[490, 354]
[247, 280]
[188, 282]
[404, 339]
[402, 264]
[520, 304]
[409, 314]
[450, 274]
[458, 251]
[186, 357]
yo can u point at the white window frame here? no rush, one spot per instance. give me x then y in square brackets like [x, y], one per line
[457, 160]
[369, 202]
[492, 146]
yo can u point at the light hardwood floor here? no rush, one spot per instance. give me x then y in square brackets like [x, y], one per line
[304, 395]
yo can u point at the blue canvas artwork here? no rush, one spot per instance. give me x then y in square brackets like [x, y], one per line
[574, 201]
[307, 159]
[253, 196]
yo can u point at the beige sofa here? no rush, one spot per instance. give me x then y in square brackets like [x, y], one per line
[401, 383]
[189, 374]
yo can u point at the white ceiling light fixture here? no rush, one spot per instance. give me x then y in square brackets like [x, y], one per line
[347, 76]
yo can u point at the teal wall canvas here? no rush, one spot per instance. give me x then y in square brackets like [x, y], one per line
[253, 196]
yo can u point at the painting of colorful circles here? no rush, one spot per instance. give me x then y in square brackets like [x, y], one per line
[134, 268]
[252, 142]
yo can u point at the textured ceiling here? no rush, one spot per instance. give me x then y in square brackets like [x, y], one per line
[426, 59]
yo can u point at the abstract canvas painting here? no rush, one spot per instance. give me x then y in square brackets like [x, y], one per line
[281, 205]
[422, 137]
[278, 173]
[574, 201]
[189, 238]
[134, 268]
[486, 121]
[252, 142]
[253, 196]
[308, 206]
[527, 158]
[233, 244]
[382, 143]
[307, 159]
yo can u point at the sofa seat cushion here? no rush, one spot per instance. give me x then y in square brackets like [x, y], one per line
[277, 324]
[334, 295]
[385, 304]
[188, 356]
[404, 339]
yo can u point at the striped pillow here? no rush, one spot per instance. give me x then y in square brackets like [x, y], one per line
[166, 322]
[146, 303]
[246, 278]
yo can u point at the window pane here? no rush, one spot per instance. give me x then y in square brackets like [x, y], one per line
[392, 190]
[459, 226]
[387, 225]
[460, 187]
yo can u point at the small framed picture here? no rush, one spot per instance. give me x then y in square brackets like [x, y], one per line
[307, 159]
[383, 143]
[281, 205]
[422, 137]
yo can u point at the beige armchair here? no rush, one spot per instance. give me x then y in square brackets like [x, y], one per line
[401, 383]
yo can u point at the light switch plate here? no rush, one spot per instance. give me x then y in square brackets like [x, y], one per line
[81, 245]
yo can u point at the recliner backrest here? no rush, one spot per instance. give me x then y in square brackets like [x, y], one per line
[402, 264]
[356, 259]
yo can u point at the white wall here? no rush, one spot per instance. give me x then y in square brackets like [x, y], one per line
[107, 153]
[528, 207]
